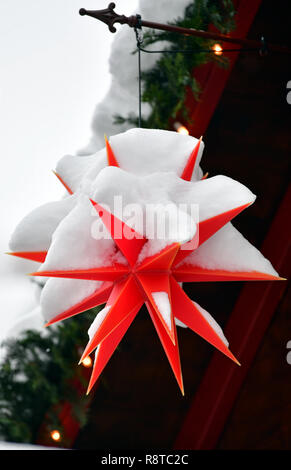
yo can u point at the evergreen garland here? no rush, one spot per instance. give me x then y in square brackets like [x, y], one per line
[165, 85]
[35, 377]
[36, 372]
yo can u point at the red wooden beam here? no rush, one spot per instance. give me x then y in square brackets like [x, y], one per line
[247, 325]
[212, 78]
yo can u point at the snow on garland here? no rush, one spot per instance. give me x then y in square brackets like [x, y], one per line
[165, 77]
[88, 263]
[122, 93]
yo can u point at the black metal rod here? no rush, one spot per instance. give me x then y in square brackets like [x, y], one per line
[110, 17]
[139, 88]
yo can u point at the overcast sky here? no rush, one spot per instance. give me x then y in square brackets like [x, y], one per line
[54, 70]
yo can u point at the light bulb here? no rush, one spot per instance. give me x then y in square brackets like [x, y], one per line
[180, 128]
[55, 435]
[87, 362]
[217, 49]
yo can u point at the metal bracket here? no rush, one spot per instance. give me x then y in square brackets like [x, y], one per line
[110, 17]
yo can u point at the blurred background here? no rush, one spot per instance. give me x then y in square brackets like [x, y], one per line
[54, 71]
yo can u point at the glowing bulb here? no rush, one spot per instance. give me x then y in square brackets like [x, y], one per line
[180, 128]
[56, 435]
[183, 130]
[217, 49]
[87, 362]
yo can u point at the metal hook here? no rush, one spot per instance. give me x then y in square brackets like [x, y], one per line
[138, 30]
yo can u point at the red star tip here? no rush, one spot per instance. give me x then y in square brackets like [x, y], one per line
[125, 298]
[192, 273]
[38, 256]
[208, 227]
[99, 297]
[190, 165]
[105, 349]
[106, 273]
[63, 182]
[111, 159]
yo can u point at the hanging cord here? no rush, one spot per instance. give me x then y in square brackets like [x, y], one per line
[263, 50]
[139, 41]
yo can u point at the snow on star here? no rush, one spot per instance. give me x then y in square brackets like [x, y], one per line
[150, 168]
[153, 150]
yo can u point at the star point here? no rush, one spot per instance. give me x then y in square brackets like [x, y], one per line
[111, 159]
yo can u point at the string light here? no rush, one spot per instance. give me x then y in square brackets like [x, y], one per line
[87, 362]
[55, 435]
[180, 128]
[217, 49]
